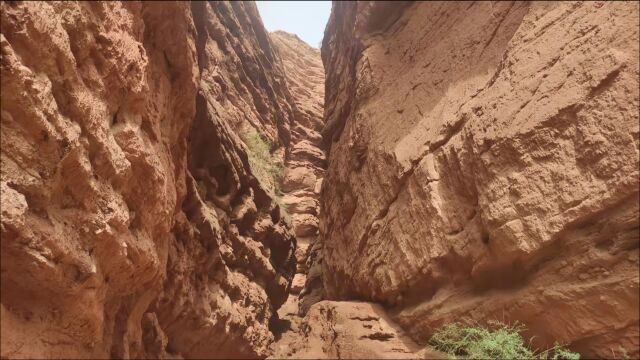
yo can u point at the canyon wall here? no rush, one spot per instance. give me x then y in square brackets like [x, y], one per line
[133, 221]
[483, 164]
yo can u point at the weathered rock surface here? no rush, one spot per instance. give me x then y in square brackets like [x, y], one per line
[132, 225]
[475, 161]
[349, 330]
[484, 165]
[305, 78]
[305, 162]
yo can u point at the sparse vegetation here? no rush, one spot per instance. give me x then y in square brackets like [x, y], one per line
[621, 353]
[496, 340]
[266, 167]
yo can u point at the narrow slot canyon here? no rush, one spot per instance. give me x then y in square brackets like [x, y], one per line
[178, 182]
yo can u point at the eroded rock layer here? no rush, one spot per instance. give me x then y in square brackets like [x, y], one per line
[483, 165]
[305, 162]
[132, 222]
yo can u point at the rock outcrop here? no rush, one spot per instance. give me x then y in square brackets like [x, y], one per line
[133, 224]
[483, 164]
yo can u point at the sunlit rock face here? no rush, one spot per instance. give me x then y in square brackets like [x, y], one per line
[483, 164]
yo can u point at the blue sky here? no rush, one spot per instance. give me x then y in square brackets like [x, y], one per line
[306, 19]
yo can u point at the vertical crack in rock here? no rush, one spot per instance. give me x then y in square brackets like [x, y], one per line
[302, 178]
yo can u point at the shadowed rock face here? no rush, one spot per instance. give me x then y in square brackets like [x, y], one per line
[132, 224]
[483, 164]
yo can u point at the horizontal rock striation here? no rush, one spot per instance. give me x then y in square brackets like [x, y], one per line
[483, 164]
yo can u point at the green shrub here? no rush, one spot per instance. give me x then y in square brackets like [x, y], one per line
[494, 341]
[266, 167]
[558, 352]
[620, 354]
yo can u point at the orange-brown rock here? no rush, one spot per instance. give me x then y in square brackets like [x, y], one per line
[305, 78]
[305, 161]
[350, 330]
[484, 165]
[474, 161]
[132, 224]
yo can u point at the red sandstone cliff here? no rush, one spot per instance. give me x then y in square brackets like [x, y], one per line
[483, 164]
[132, 222]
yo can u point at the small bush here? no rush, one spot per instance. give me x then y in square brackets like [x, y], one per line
[557, 352]
[495, 341]
[620, 354]
[266, 167]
